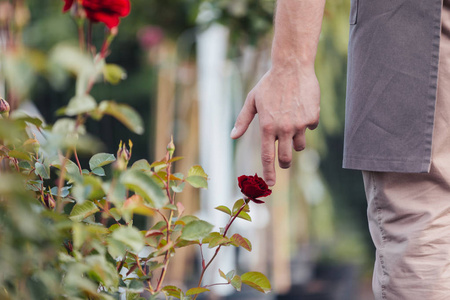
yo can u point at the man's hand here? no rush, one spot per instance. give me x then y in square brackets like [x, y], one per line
[287, 102]
[287, 97]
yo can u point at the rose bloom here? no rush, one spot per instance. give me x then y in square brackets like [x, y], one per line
[254, 187]
[105, 11]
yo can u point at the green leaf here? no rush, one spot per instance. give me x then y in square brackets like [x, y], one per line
[196, 291]
[196, 230]
[236, 282]
[82, 211]
[257, 281]
[216, 240]
[116, 248]
[135, 286]
[224, 209]
[99, 171]
[129, 236]
[184, 243]
[230, 275]
[35, 121]
[42, 170]
[144, 185]
[222, 274]
[19, 154]
[179, 188]
[197, 171]
[72, 170]
[141, 165]
[136, 205]
[238, 204]
[64, 191]
[238, 240]
[173, 291]
[197, 182]
[24, 165]
[115, 214]
[100, 160]
[171, 207]
[71, 58]
[125, 114]
[113, 73]
[245, 216]
[80, 104]
[102, 270]
[186, 220]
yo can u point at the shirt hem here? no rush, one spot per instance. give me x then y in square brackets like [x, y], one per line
[417, 165]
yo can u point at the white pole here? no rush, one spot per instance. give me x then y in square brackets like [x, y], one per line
[215, 143]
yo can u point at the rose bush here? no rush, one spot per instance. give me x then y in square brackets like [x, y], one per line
[67, 227]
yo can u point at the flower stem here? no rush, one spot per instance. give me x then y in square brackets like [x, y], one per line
[218, 248]
[59, 206]
[78, 161]
[171, 197]
[81, 41]
[144, 273]
[89, 37]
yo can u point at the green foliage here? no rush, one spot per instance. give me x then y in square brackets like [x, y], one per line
[66, 230]
[248, 20]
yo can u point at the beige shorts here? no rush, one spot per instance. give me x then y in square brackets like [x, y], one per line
[409, 214]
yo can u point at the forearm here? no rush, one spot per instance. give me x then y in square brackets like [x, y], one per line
[297, 30]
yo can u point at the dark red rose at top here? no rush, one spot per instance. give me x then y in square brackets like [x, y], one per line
[105, 11]
[67, 5]
[254, 187]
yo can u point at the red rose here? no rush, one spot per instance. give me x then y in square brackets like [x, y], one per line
[254, 187]
[67, 5]
[106, 11]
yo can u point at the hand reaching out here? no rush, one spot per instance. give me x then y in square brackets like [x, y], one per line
[287, 102]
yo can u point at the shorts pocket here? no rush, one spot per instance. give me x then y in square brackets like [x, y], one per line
[353, 11]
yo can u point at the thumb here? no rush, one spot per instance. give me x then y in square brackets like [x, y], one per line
[245, 117]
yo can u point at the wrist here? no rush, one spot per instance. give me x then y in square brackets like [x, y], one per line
[292, 66]
[292, 61]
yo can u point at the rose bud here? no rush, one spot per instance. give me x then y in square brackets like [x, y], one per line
[170, 148]
[69, 247]
[123, 156]
[4, 108]
[254, 187]
[49, 202]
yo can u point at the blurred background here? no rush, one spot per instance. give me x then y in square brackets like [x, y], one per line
[190, 65]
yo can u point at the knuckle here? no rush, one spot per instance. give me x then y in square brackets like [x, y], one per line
[286, 129]
[267, 128]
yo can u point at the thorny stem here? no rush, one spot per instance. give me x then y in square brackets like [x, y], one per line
[145, 274]
[233, 218]
[218, 248]
[78, 161]
[168, 222]
[59, 206]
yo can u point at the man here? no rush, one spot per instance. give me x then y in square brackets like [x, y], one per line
[397, 115]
